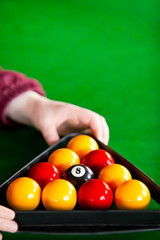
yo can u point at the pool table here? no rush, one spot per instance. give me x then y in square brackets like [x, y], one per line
[100, 55]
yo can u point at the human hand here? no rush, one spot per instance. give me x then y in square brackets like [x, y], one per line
[6, 220]
[55, 118]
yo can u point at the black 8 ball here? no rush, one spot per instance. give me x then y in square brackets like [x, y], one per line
[78, 174]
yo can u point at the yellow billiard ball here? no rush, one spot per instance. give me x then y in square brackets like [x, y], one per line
[82, 145]
[23, 194]
[63, 158]
[59, 194]
[132, 195]
[114, 175]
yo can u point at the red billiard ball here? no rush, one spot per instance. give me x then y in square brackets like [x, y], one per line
[95, 195]
[78, 174]
[43, 173]
[97, 160]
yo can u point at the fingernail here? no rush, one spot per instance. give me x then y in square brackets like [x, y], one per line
[13, 227]
[10, 214]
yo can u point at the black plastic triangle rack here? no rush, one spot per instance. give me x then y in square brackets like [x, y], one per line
[84, 221]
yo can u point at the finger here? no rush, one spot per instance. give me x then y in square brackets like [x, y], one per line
[96, 127]
[8, 226]
[50, 135]
[99, 127]
[105, 130]
[1, 236]
[92, 120]
[6, 213]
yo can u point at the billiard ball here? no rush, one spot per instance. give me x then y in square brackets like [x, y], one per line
[78, 174]
[59, 194]
[114, 175]
[95, 195]
[97, 160]
[132, 195]
[43, 173]
[63, 158]
[23, 194]
[82, 144]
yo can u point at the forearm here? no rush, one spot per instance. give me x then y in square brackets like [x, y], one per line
[12, 86]
[22, 101]
[21, 109]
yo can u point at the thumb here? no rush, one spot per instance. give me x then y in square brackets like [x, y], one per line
[50, 135]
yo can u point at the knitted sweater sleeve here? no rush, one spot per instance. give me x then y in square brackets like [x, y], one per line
[12, 84]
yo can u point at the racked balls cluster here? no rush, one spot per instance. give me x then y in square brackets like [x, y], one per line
[80, 174]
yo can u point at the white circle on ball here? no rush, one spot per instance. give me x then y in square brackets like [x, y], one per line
[78, 171]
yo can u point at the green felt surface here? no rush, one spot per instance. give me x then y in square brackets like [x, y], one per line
[101, 55]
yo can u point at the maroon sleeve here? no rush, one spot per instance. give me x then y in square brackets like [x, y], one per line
[13, 84]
